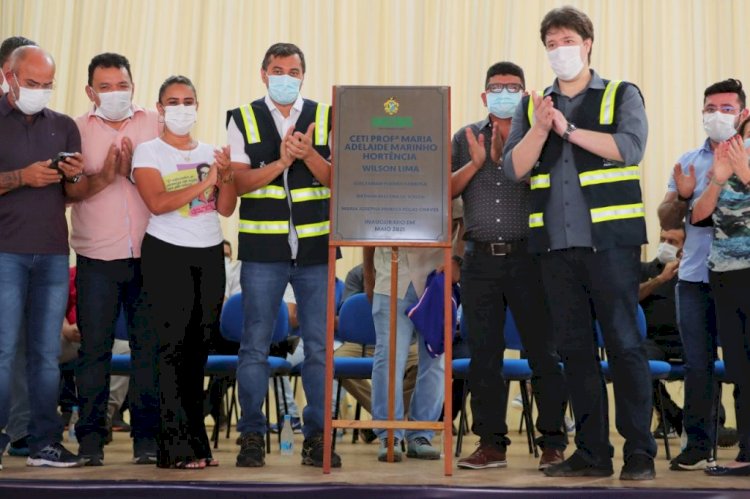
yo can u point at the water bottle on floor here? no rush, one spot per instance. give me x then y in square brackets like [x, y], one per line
[287, 437]
[72, 424]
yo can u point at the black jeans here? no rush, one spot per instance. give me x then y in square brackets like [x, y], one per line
[733, 314]
[575, 280]
[489, 284]
[104, 288]
[185, 289]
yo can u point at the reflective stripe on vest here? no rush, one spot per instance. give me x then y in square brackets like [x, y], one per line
[312, 230]
[607, 111]
[252, 135]
[321, 124]
[608, 175]
[536, 220]
[619, 212]
[540, 181]
[264, 226]
[310, 194]
[267, 192]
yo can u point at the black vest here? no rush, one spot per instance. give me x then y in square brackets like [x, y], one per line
[265, 212]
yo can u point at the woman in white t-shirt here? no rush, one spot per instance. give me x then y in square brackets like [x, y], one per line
[180, 181]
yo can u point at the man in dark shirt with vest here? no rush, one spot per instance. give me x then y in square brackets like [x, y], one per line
[34, 245]
[499, 274]
[579, 145]
[280, 151]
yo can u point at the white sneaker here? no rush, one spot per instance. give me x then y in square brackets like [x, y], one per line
[517, 402]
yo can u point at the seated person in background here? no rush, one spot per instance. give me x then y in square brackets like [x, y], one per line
[657, 298]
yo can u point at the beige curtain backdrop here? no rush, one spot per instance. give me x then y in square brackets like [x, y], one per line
[672, 49]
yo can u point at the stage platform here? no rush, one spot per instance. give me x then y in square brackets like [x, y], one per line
[361, 477]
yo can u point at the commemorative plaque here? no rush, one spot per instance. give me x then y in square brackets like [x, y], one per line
[391, 164]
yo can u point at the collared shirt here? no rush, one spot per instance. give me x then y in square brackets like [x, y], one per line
[283, 124]
[32, 219]
[495, 207]
[659, 306]
[110, 224]
[694, 262]
[567, 215]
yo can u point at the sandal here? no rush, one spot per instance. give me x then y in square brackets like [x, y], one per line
[209, 462]
[190, 464]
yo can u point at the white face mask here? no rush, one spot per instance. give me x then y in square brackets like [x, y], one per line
[719, 126]
[227, 262]
[31, 100]
[115, 106]
[566, 61]
[666, 252]
[180, 119]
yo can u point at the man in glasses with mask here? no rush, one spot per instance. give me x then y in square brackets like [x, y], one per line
[579, 145]
[108, 223]
[723, 111]
[281, 168]
[34, 245]
[499, 274]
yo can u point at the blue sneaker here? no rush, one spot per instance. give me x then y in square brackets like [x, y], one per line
[19, 448]
[56, 456]
[398, 455]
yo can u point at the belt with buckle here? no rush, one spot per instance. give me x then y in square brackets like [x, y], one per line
[497, 249]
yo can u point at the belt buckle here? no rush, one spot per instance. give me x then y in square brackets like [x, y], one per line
[499, 249]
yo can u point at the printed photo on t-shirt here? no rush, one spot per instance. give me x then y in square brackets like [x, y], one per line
[188, 174]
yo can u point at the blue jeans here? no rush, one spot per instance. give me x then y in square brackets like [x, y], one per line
[427, 400]
[33, 297]
[105, 289]
[696, 320]
[263, 286]
[575, 281]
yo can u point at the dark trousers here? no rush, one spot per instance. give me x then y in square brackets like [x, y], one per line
[575, 280]
[733, 314]
[104, 288]
[489, 284]
[657, 350]
[696, 319]
[185, 289]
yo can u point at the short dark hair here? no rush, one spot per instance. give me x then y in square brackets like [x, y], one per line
[505, 68]
[282, 50]
[728, 86]
[10, 44]
[174, 80]
[568, 17]
[108, 60]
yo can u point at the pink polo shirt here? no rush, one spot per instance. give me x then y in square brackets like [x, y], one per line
[110, 224]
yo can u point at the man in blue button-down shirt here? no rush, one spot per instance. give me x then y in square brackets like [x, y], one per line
[723, 110]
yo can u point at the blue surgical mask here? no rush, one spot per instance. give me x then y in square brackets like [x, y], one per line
[503, 104]
[283, 89]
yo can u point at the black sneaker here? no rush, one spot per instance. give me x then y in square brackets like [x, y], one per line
[19, 448]
[90, 450]
[312, 453]
[575, 465]
[252, 450]
[54, 455]
[638, 467]
[691, 460]
[144, 451]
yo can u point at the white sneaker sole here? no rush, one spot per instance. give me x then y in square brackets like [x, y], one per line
[39, 462]
[493, 464]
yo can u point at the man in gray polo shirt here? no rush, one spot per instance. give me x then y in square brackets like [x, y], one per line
[498, 274]
[579, 145]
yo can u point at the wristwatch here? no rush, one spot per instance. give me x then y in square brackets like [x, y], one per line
[570, 129]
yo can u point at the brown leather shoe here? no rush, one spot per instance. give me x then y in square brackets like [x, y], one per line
[485, 456]
[550, 457]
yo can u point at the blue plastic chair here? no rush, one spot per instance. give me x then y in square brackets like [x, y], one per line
[513, 370]
[231, 325]
[659, 369]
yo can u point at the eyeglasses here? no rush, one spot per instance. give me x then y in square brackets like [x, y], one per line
[496, 88]
[721, 109]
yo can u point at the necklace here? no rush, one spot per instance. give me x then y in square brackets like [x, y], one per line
[184, 153]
